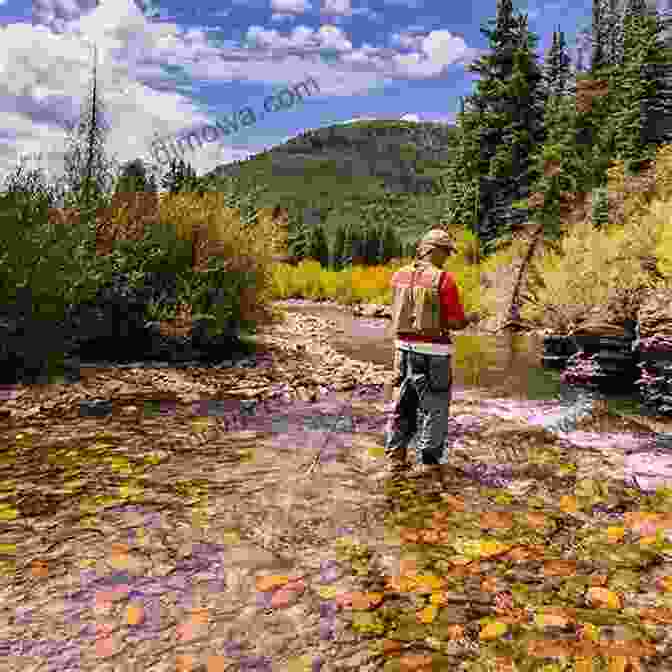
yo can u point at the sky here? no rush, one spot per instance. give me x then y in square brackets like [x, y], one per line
[167, 67]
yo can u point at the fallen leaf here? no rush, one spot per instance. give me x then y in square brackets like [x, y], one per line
[615, 534]
[548, 620]
[664, 583]
[489, 585]
[104, 640]
[523, 553]
[598, 580]
[560, 568]
[455, 631]
[602, 597]
[496, 520]
[327, 592]
[266, 583]
[392, 647]
[300, 663]
[415, 663]
[135, 614]
[569, 504]
[427, 615]
[39, 569]
[438, 599]
[493, 630]
[536, 520]
[656, 614]
[184, 663]
[216, 664]
[454, 502]
[359, 601]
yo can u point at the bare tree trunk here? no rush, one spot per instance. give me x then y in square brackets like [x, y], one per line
[514, 308]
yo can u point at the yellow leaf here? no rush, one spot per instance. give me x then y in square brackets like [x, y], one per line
[493, 630]
[376, 451]
[231, 537]
[266, 583]
[428, 581]
[300, 664]
[665, 584]
[568, 504]
[7, 549]
[602, 597]
[615, 534]
[493, 547]
[8, 513]
[438, 599]
[546, 620]
[427, 615]
[327, 592]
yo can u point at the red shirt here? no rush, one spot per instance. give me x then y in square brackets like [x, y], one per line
[451, 308]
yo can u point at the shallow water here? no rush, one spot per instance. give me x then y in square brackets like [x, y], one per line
[507, 365]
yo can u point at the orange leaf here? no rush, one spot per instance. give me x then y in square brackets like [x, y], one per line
[415, 663]
[431, 536]
[135, 614]
[496, 520]
[602, 597]
[615, 534]
[536, 520]
[454, 502]
[407, 565]
[392, 647]
[569, 504]
[184, 663]
[489, 585]
[455, 631]
[427, 615]
[266, 583]
[216, 664]
[522, 553]
[656, 614]
[39, 569]
[359, 601]
[560, 568]
[599, 580]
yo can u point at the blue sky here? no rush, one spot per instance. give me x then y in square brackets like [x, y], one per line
[168, 65]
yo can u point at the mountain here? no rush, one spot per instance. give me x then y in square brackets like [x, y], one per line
[332, 173]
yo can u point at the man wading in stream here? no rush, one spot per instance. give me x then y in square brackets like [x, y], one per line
[426, 307]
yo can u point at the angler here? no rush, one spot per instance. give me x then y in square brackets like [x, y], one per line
[426, 308]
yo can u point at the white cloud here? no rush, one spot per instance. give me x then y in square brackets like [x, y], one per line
[410, 117]
[337, 7]
[51, 72]
[290, 6]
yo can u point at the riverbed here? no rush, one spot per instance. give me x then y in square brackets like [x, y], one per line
[163, 519]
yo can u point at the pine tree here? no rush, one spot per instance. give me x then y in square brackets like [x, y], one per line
[557, 72]
[339, 248]
[88, 173]
[503, 125]
[180, 177]
[318, 247]
[598, 57]
[600, 208]
[134, 177]
[390, 246]
[643, 46]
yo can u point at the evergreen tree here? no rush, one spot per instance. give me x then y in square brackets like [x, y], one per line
[600, 208]
[504, 122]
[348, 246]
[298, 235]
[339, 248]
[643, 46]
[557, 72]
[134, 177]
[598, 57]
[318, 247]
[180, 177]
[87, 177]
[390, 245]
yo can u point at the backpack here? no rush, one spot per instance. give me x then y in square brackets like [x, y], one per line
[417, 307]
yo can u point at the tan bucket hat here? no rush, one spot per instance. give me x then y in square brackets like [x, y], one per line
[433, 239]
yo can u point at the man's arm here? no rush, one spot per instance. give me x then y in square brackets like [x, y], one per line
[454, 317]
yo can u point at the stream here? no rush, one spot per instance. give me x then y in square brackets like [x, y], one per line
[505, 372]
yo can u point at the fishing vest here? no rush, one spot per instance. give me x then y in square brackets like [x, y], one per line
[416, 309]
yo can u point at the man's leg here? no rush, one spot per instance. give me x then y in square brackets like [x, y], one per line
[403, 422]
[433, 410]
